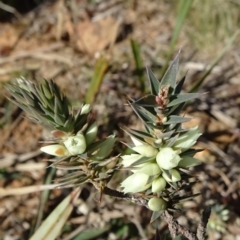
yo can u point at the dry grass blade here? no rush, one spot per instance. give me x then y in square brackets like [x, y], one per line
[53, 224]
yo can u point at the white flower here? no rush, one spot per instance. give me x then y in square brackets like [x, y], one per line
[135, 183]
[150, 169]
[167, 158]
[158, 184]
[56, 150]
[188, 139]
[75, 144]
[174, 176]
[146, 150]
[157, 204]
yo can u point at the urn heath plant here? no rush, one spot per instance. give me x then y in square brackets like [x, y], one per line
[164, 149]
[162, 152]
[74, 134]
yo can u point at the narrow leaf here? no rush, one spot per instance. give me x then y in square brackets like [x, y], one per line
[155, 216]
[52, 225]
[154, 83]
[170, 76]
[173, 119]
[148, 100]
[179, 86]
[184, 97]
[138, 62]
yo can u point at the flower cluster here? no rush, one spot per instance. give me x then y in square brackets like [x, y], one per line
[74, 134]
[164, 149]
[162, 165]
[70, 144]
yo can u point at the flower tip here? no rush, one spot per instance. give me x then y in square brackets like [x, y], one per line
[56, 150]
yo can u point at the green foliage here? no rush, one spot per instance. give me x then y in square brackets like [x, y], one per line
[163, 142]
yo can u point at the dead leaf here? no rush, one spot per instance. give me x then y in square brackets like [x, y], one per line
[8, 37]
[95, 36]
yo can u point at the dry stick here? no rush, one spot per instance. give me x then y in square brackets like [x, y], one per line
[173, 225]
[201, 230]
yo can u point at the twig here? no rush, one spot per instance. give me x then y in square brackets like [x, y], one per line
[25, 190]
[201, 230]
[38, 53]
[173, 225]
[128, 197]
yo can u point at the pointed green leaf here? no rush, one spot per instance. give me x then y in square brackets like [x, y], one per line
[154, 83]
[143, 114]
[171, 141]
[175, 110]
[102, 149]
[184, 97]
[185, 198]
[173, 119]
[190, 152]
[140, 135]
[179, 86]
[155, 216]
[141, 161]
[91, 233]
[170, 76]
[165, 135]
[148, 100]
[46, 90]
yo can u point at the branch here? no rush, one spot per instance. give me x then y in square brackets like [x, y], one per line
[201, 230]
[128, 197]
[173, 225]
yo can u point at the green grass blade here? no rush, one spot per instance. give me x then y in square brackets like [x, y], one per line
[91, 234]
[138, 62]
[215, 62]
[99, 72]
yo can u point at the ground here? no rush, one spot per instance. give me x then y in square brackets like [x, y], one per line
[67, 41]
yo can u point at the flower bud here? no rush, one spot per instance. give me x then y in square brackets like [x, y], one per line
[158, 184]
[91, 133]
[146, 150]
[135, 183]
[157, 204]
[188, 139]
[56, 150]
[75, 144]
[150, 169]
[167, 158]
[188, 161]
[86, 108]
[174, 176]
